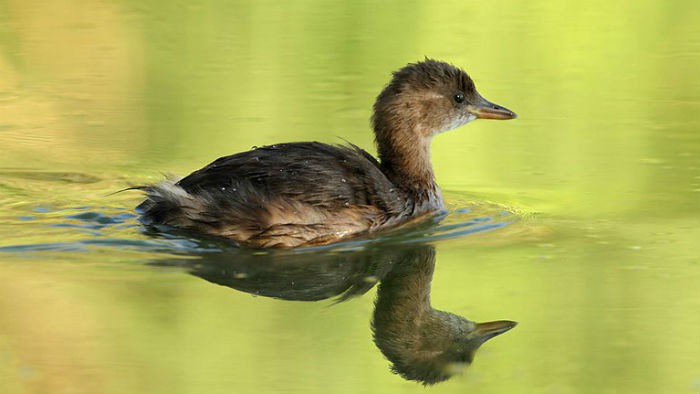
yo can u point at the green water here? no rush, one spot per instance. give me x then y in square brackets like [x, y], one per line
[597, 185]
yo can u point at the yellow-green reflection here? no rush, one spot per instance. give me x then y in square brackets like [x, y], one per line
[603, 161]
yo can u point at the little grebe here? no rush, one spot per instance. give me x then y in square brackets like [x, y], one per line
[310, 193]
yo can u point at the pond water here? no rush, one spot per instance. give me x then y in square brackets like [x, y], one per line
[580, 220]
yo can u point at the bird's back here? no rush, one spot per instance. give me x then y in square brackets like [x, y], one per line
[284, 195]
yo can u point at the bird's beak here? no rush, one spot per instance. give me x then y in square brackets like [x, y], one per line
[485, 109]
[486, 331]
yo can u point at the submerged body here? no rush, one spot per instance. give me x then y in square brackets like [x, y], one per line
[310, 193]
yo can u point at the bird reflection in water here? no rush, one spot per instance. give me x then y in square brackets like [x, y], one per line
[423, 344]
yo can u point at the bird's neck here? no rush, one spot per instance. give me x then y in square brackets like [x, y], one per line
[404, 154]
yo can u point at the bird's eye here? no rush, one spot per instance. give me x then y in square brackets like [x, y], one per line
[459, 97]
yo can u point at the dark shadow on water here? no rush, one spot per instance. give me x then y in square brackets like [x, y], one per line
[293, 276]
[422, 343]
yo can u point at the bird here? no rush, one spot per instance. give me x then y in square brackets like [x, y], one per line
[300, 194]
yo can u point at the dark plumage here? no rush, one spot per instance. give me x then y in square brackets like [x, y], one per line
[310, 193]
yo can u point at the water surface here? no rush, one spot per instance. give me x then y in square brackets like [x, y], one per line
[580, 219]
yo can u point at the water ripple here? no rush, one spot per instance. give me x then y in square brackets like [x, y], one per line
[85, 229]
